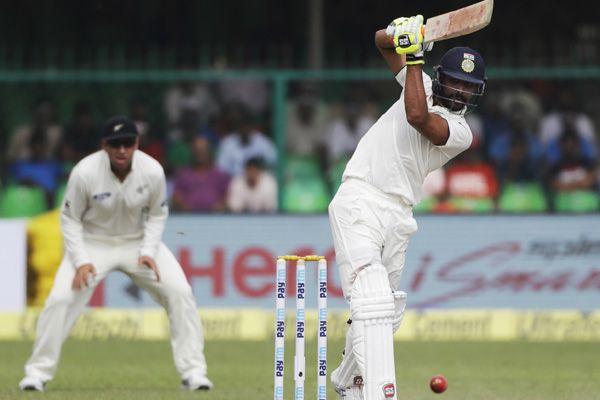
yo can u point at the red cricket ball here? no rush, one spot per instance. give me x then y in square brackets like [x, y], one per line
[438, 384]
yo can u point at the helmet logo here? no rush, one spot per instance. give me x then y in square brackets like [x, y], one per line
[468, 64]
[117, 127]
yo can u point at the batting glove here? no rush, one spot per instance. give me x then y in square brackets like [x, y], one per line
[408, 35]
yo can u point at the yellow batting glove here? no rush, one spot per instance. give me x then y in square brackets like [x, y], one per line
[408, 35]
[391, 28]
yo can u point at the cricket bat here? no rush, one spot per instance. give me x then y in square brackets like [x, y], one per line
[459, 22]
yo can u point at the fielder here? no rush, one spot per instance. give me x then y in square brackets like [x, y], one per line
[371, 214]
[113, 218]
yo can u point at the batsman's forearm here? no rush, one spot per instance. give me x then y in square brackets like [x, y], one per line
[383, 40]
[415, 102]
[385, 45]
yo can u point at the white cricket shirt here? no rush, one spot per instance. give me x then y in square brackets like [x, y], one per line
[395, 158]
[261, 198]
[98, 205]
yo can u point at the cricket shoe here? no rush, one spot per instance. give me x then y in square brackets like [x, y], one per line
[198, 382]
[31, 383]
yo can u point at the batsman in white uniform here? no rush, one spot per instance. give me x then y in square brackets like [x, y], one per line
[112, 218]
[371, 214]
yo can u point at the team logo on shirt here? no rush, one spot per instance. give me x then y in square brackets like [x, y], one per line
[101, 196]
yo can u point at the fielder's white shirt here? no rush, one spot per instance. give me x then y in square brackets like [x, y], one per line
[395, 158]
[98, 205]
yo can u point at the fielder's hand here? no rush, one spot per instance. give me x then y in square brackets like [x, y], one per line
[408, 35]
[84, 277]
[149, 262]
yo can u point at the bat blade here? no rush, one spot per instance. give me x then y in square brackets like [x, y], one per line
[459, 22]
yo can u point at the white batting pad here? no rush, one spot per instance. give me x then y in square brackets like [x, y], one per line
[343, 376]
[372, 312]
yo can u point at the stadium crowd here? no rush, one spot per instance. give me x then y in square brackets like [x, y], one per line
[217, 149]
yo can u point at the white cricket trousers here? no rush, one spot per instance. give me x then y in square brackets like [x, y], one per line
[173, 292]
[369, 227]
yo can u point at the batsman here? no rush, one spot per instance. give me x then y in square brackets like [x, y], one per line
[371, 215]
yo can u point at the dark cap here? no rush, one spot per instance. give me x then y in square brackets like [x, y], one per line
[119, 127]
[463, 63]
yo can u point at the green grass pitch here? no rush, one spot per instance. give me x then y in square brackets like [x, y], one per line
[119, 369]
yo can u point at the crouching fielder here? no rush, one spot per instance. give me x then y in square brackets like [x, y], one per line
[371, 214]
[113, 218]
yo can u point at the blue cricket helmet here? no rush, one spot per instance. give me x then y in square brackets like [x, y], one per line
[465, 64]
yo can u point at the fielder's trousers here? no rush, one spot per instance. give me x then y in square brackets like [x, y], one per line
[173, 292]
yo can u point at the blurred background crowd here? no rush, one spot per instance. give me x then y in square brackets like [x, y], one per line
[228, 143]
[535, 148]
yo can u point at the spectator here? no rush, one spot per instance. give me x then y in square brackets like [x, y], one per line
[519, 175]
[179, 152]
[190, 97]
[572, 178]
[252, 94]
[520, 165]
[567, 116]
[573, 171]
[80, 136]
[507, 147]
[201, 187]
[306, 123]
[495, 123]
[525, 102]
[253, 192]
[587, 144]
[214, 129]
[345, 132]
[472, 183]
[238, 147]
[38, 170]
[150, 142]
[45, 125]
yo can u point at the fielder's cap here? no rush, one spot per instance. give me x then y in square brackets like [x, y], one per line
[119, 127]
[463, 63]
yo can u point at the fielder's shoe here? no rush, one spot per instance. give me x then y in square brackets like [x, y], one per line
[199, 382]
[31, 383]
